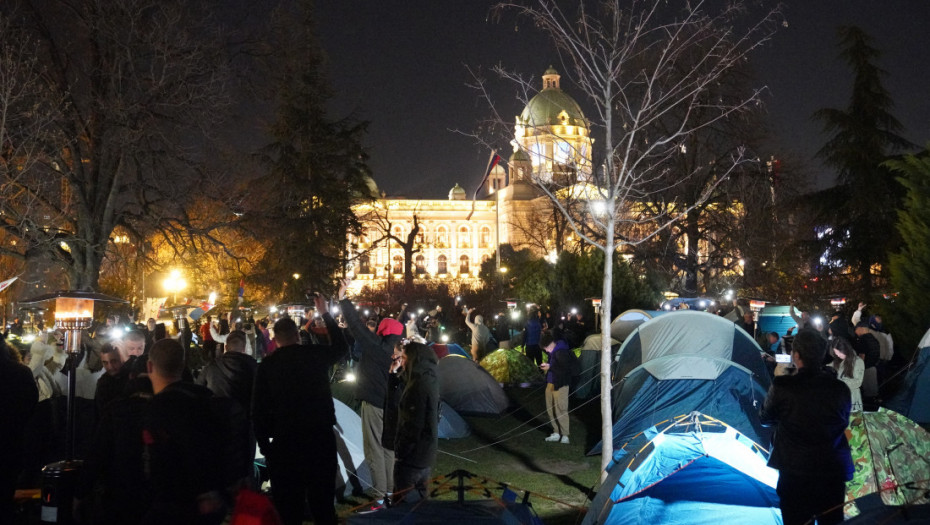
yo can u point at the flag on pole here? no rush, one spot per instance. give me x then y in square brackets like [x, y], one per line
[241, 290]
[493, 161]
[6, 284]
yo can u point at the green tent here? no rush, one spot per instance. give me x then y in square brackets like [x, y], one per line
[508, 367]
[892, 457]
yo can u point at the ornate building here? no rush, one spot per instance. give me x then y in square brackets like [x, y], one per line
[551, 143]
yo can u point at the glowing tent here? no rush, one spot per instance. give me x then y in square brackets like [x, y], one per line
[693, 469]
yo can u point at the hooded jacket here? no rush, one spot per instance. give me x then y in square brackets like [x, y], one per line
[418, 415]
[376, 348]
[560, 366]
[230, 375]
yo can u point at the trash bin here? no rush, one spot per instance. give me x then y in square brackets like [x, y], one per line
[59, 481]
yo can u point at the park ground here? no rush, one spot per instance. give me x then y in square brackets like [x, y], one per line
[510, 448]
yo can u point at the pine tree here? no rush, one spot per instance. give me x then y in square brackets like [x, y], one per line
[317, 169]
[860, 210]
[910, 267]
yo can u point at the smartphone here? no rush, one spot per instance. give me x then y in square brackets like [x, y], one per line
[782, 358]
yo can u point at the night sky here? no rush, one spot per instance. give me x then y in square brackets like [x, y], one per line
[403, 67]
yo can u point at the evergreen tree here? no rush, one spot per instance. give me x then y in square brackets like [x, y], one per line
[860, 210]
[910, 267]
[317, 169]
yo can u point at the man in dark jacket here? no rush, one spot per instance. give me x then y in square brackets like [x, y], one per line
[293, 418]
[870, 351]
[417, 424]
[183, 433]
[232, 374]
[811, 411]
[18, 398]
[371, 387]
[558, 378]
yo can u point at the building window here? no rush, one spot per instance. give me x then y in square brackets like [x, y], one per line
[420, 262]
[441, 265]
[463, 265]
[464, 237]
[364, 264]
[442, 237]
[485, 237]
[398, 266]
[421, 237]
[398, 232]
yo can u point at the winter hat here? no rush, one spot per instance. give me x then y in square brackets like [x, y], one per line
[390, 326]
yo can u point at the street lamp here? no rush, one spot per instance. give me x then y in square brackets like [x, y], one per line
[174, 283]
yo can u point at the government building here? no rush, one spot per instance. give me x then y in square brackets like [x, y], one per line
[551, 143]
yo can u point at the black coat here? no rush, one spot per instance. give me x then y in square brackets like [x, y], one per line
[418, 418]
[371, 373]
[811, 412]
[18, 398]
[869, 347]
[291, 399]
[230, 375]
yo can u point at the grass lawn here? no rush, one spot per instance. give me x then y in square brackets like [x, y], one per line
[510, 449]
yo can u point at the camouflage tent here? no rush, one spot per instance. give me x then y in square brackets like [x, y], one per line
[511, 367]
[892, 457]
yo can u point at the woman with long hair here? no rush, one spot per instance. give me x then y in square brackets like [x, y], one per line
[849, 368]
[417, 424]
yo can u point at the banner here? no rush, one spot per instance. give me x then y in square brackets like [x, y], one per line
[151, 308]
[6, 284]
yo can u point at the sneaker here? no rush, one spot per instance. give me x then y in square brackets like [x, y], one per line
[553, 437]
[564, 440]
[375, 507]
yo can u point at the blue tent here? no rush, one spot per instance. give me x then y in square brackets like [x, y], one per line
[774, 318]
[913, 399]
[688, 361]
[624, 324]
[451, 424]
[693, 469]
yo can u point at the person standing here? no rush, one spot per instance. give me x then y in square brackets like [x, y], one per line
[531, 331]
[480, 335]
[20, 396]
[417, 424]
[371, 386]
[111, 384]
[558, 378]
[810, 412]
[293, 418]
[849, 369]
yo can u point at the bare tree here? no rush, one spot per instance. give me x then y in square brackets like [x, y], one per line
[379, 217]
[645, 69]
[124, 98]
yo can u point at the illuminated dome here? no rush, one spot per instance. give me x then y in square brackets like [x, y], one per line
[457, 193]
[552, 106]
[519, 156]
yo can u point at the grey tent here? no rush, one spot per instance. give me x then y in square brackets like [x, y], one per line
[468, 388]
[913, 399]
[451, 424]
[624, 324]
[589, 359]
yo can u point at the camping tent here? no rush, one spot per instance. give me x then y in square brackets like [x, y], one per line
[688, 332]
[778, 319]
[353, 475]
[468, 388]
[688, 361]
[451, 424]
[624, 324]
[442, 350]
[589, 359]
[509, 367]
[891, 454]
[913, 399]
[693, 469]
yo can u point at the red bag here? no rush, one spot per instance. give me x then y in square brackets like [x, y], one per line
[254, 508]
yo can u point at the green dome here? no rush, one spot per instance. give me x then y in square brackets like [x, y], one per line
[520, 156]
[457, 193]
[545, 107]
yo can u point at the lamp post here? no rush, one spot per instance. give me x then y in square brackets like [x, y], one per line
[74, 312]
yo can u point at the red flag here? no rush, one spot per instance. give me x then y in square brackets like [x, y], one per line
[493, 161]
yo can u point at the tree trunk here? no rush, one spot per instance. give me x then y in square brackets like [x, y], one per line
[607, 417]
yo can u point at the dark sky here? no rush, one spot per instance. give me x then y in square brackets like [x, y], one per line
[403, 67]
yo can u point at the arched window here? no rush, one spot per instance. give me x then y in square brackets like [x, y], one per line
[420, 263]
[421, 236]
[441, 265]
[364, 264]
[442, 237]
[398, 266]
[464, 237]
[484, 238]
[398, 232]
[463, 264]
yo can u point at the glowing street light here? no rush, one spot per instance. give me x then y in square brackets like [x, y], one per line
[174, 283]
